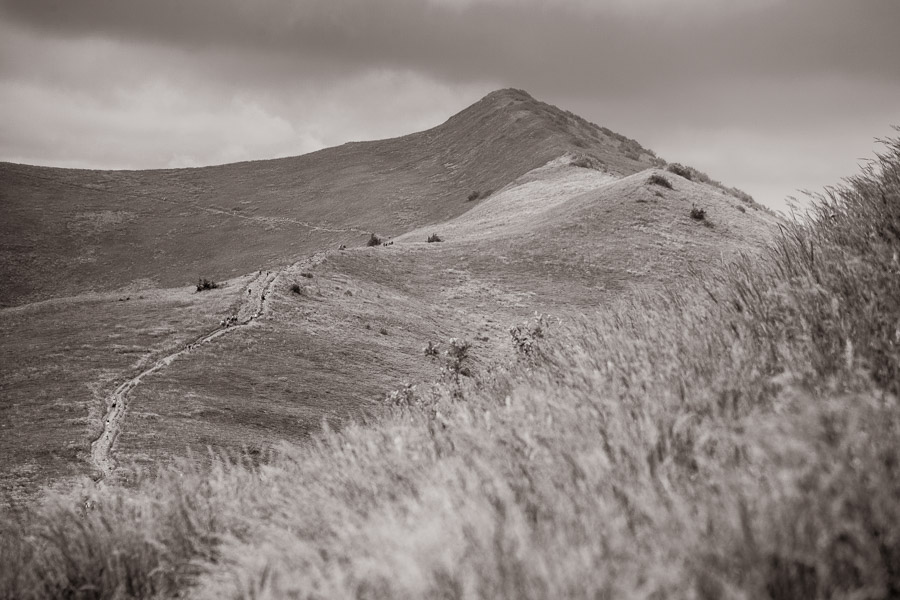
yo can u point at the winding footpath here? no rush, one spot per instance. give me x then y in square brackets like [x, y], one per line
[255, 305]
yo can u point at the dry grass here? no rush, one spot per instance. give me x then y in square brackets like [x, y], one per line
[61, 359]
[736, 441]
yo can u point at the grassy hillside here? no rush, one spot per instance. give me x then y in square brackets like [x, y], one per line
[568, 226]
[68, 231]
[561, 240]
[736, 438]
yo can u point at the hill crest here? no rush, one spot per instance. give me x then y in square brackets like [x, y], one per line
[105, 230]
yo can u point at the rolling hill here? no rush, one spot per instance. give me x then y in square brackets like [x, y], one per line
[102, 342]
[67, 231]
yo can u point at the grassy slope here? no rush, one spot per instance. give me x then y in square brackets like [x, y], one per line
[738, 440]
[62, 357]
[67, 231]
[558, 247]
[560, 240]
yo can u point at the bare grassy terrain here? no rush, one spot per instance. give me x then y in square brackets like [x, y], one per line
[62, 357]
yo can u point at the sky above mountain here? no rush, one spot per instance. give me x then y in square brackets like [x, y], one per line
[771, 96]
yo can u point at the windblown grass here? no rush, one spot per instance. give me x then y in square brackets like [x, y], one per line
[741, 440]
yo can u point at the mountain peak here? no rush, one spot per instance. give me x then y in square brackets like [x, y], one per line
[508, 94]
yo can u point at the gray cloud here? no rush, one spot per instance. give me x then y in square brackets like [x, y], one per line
[542, 41]
[198, 81]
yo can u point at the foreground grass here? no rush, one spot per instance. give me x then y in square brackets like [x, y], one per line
[736, 441]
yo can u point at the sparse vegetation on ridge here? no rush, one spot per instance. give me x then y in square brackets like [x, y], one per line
[693, 174]
[739, 440]
[204, 284]
[680, 170]
[657, 179]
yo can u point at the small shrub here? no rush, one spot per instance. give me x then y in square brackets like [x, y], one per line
[374, 240]
[456, 358]
[402, 398]
[204, 284]
[431, 350]
[434, 238]
[681, 171]
[583, 162]
[526, 336]
[474, 196]
[657, 179]
[698, 214]
[306, 274]
[295, 287]
[383, 331]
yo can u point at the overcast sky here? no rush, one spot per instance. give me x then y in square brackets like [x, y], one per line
[768, 95]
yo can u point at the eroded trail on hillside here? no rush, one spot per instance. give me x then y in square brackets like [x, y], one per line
[255, 304]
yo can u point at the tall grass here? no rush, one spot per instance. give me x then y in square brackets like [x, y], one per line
[740, 440]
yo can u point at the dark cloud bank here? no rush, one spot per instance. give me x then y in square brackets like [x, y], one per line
[770, 95]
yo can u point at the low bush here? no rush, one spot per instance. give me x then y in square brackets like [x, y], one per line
[434, 238]
[681, 171]
[582, 162]
[295, 288]
[527, 336]
[374, 240]
[306, 274]
[657, 179]
[204, 284]
[456, 360]
[474, 196]
[698, 214]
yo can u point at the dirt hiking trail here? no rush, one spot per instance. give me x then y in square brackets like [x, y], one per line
[254, 305]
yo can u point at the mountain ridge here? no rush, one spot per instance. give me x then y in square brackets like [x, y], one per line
[103, 230]
[565, 237]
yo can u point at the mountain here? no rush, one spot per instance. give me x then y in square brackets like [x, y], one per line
[68, 231]
[110, 360]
